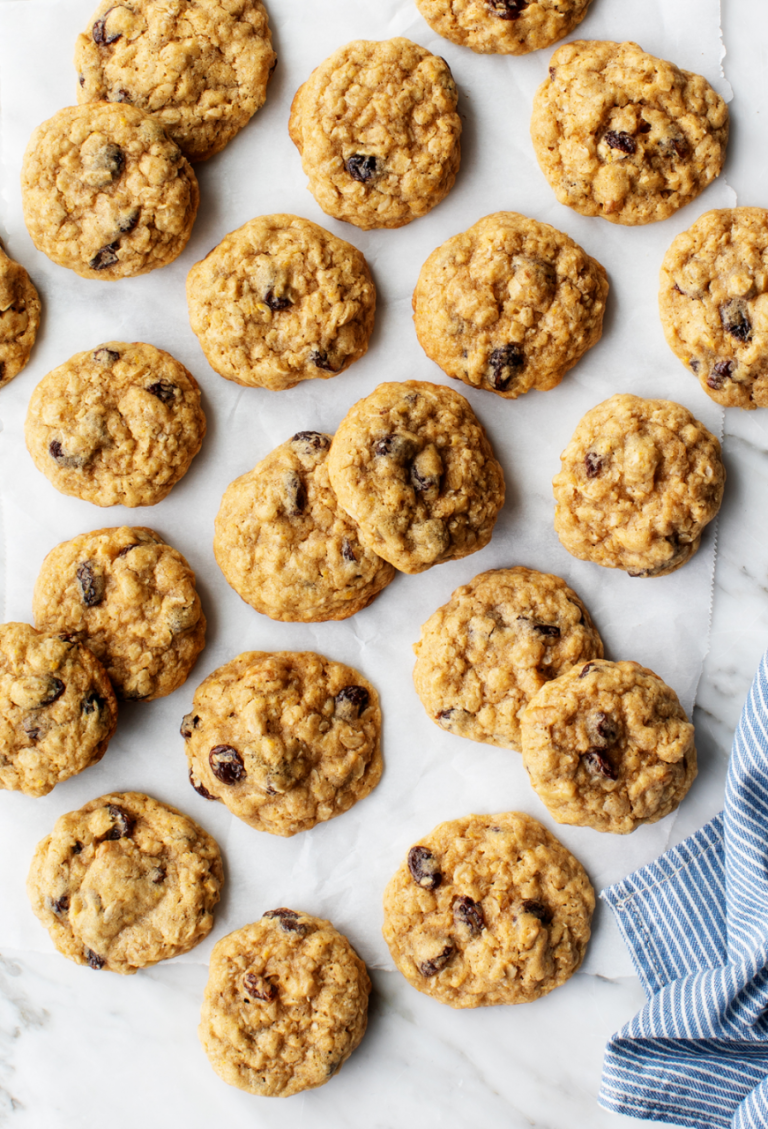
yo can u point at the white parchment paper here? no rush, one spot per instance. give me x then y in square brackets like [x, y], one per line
[339, 869]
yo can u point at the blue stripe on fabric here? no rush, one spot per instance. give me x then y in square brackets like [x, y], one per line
[696, 924]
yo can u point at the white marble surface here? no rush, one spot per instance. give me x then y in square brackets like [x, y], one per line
[80, 1050]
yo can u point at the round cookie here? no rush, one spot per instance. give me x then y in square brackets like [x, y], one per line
[19, 317]
[607, 745]
[489, 909]
[378, 132]
[503, 27]
[286, 546]
[490, 649]
[640, 480]
[713, 300]
[118, 425]
[285, 1006]
[623, 135]
[132, 599]
[285, 739]
[125, 882]
[509, 305]
[57, 709]
[412, 466]
[199, 67]
[281, 300]
[106, 193]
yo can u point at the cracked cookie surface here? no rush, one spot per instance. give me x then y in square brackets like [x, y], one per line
[505, 27]
[117, 425]
[57, 709]
[106, 193]
[509, 305]
[125, 882]
[490, 649]
[285, 1006]
[378, 132]
[640, 480]
[713, 300]
[285, 739]
[412, 466]
[285, 544]
[281, 300]
[608, 746]
[130, 598]
[623, 135]
[19, 317]
[199, 67]
[489, 909]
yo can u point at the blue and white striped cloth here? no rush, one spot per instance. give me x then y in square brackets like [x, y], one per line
[696, 924]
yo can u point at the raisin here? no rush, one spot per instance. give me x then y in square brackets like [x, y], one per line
[618, 139]
[549, 630]
[60, 905]
[507, 9]
[720, 373]
[159, 876]
[593, 464]
[351, 702]
[424, 868]
[539, 910]
[106, 257]
[552, 73]
[397, 447]
[77, 848]
[347, 552]
[694, 364]
[314, 440]
[438, 963]
[92, 702]
[276, 303]
[100, 34]
[32, 728]
[289, 920]
[469, 913]
[735, 321]
[226, 764]
[123, 823]
[94, 960]
[258, 987]
[164, 390]
[81, 79]
[603, 729]
[681, 147]
[643, 126]
[126, 549]
[200, 788]
[504, 365]
[52, 689]
[91, 584]
[189, 722]
[597, 765]
[360, 167]
[105, 356]
[319, 358]
[183, 617]
[585, 670]
[128, 220]
[121, 96]
[294, 495]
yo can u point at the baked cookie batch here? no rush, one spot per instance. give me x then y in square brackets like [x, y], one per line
[484, 910]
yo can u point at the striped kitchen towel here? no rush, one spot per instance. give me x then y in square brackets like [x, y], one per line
[696, 924]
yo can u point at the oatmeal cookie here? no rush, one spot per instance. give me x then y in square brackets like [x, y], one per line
[623, 135]
[118, 425]
[412, 465]
[285, 739]
[286, 546]
[285, 1006]
[281, 300]
[106, 192]
[125, 882]
[490, 649]
[378, 132]
[640, 480]
[57, 709]
[199, 67]
[132, 599]
[607, 745]
[503, 27]
[19, 317]
[509, 305]
[713, 300]
[489, 909]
